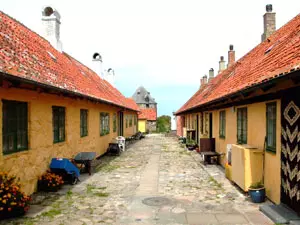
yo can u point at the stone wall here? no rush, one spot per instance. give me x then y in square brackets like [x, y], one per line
[151, 126]
[28, 165]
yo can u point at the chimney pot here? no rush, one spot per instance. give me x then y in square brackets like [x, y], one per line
[222, 58]
[269, 8]
[231, 47]
[97, 64]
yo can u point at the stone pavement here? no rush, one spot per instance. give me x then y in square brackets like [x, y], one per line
[154, 182]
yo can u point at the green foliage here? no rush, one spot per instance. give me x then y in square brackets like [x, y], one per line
[257, 185]
[13, 202]
[163, 124]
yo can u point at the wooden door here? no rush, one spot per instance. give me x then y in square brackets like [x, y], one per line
[290, 150]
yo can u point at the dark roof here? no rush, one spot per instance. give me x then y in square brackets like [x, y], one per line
[276, 56]
[142, 96]
[26, 55]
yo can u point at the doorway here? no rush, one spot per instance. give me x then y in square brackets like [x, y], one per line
[210, 126]
[197, 129]
[121, 123]
[290, 141]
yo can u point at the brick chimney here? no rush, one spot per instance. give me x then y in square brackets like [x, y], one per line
[211, 74]
[221, 64]
[231, 56]
[51, 23]
[269, 23]
[97, 64]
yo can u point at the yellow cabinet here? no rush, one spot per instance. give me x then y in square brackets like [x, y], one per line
[142, 125]
[247, 165]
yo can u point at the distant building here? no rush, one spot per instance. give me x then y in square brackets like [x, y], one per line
[148, 110]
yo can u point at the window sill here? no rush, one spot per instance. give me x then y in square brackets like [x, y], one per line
[82, 136]
[271, 150]
[222, 137]
[57, 142]
[18, 151]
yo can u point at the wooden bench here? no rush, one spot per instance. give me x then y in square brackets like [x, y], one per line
[208, 156]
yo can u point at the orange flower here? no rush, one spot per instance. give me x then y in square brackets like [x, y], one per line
[9, 195]
[1, 208]
[4, 201]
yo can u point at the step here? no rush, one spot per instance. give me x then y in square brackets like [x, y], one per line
[280, 214]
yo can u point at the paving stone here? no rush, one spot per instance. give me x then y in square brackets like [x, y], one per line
[258, 218]
[201, 218]
[155, 166]
[231, 218]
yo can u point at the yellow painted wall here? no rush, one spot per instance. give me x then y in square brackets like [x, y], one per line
[130, 130]
[142, 125]
[256, 135]
[30, 164]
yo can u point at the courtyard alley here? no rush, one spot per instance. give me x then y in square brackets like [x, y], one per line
[156, 181]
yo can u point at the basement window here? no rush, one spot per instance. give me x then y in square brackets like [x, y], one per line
[15, 126]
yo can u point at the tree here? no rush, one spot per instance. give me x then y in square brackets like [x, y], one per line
[163, 123]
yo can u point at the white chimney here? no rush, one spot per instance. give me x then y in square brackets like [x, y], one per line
[221, 64]
[51, 23]
[109, 76]
[97, 64]
[204, 79]
[211, 74]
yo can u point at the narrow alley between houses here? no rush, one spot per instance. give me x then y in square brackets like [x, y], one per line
[155, 181]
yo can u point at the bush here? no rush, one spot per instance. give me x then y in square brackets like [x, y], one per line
[50, 182]
[13, 202]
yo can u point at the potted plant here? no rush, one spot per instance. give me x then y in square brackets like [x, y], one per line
[50, 182]
[191, 144]
[13, 202]
[257, 192]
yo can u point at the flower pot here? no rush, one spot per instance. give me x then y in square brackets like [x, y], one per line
[257, 194]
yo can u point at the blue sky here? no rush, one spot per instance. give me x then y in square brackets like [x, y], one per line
[164, 45]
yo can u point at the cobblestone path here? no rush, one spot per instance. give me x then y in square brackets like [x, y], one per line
[154, 182]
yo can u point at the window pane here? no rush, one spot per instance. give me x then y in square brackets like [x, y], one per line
[271, 126]
[15, 125]
[58, 123]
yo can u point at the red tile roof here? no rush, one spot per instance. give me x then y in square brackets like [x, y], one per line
[148, 114]
[27, 55]
[132, 104]
[277, 56]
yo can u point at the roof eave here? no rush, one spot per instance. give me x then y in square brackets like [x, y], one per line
[28, 81]
[246, 89]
